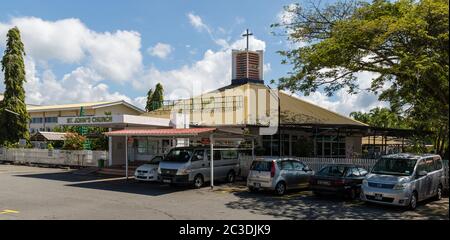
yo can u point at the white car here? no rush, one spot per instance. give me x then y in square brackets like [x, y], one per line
[149, 171]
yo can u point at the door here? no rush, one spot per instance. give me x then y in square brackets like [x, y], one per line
[217, 163]
[198, 164]
[301, 175]
[288, 174]
[423, 183]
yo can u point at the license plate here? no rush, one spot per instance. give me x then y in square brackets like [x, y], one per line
[327, 183]
[378, 196]
[167, 181]
[257, 185]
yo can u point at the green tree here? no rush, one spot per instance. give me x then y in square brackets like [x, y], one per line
[74, 141]
[157, 97]
[14, 117]
[381, 117]
[405, 43]
[148, 106]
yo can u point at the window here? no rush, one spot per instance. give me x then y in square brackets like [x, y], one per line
[422, 166]
[336, 171]
[36, 120]
[146, 146]
[430, 165]
[229, 154]
[298, 165]
[217, 155]
[287, 165]
[362, 171]
[324, 171]
[352, 172]
[330, 146]
[51, 119]
[198, 155]
[261, 166]
[438, 163]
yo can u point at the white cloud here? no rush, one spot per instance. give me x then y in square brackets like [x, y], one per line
[197, 22]
[287, 15]
[209, 73]
[81, 85]
[115, 56]
[161, 50]
[345, 103]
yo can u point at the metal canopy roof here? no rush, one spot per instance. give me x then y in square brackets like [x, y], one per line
[180, 133]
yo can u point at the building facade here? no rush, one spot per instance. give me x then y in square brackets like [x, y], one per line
[45, 118]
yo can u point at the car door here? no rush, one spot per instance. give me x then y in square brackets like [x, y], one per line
[301, 175]
[431, 183]
[217, 163]
[422, 182]
[287, 173]
[198, 162]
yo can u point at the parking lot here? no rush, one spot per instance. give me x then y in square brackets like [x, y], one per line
[45, 193]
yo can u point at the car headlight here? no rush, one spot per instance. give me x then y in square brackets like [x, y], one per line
[184, 171]
[364, 182]
[399, 186]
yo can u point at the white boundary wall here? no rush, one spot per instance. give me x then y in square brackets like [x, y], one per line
[53, 157]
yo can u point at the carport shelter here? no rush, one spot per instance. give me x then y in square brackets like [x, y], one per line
[205, 135]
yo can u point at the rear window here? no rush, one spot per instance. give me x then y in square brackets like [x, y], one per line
[334, 171]
[261, 166]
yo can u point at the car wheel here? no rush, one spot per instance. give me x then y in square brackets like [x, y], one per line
[231, 177]
[352, 194]
[198, 181]
[318, 194]
[438, 195]
[252, 189]
[280, 188]
[413, 201]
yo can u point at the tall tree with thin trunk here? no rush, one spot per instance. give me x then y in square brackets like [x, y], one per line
[148, 106]
[14, 117]
[157, 97]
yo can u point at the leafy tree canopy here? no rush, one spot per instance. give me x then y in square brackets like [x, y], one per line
[405, 43]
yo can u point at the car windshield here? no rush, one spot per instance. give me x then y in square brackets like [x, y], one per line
[395, 166]
[179, 155]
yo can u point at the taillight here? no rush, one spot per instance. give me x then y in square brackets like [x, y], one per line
[339, 182]
[272, 169]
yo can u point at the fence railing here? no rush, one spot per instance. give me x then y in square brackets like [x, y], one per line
[78, 158]
[317, 163]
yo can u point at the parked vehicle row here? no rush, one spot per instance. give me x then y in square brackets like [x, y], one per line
[398, 179]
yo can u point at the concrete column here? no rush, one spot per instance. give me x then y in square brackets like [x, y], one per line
[110, 161]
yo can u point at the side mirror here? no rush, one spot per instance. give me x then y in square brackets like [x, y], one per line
[422, 173]
[306, 169]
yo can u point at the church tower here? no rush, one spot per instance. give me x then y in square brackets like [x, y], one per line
[247, 66]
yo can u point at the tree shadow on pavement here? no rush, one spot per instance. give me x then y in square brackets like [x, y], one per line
[66, 176]
[304, 205]
[131, 186]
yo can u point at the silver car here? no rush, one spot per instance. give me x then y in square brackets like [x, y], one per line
[404, 179]
[278, 174]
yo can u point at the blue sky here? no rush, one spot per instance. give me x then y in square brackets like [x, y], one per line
[106, 50]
